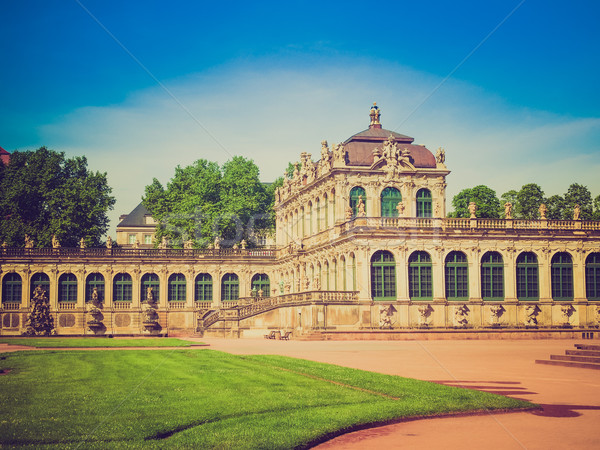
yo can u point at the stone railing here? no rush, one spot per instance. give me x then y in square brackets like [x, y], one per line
[120, 306]
[11, 306]
[176, 305]
[67, 305]
[156, 253]
[449, 223]
[203, 305]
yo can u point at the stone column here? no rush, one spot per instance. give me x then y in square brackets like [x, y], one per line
[475, 276]
[53, 294]
[216, 276]
[25, 288]
[544, 276]
[80, 275]
[136, 280]
[163, 277]
[438, 277]
[579, 294]
[402, 293]
[108, 288]
[510, 275]
[190, 288]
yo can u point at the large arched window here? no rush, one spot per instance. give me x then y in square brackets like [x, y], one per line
[383, 276]
[67, 288]
[424, 203]
[527, 277]
[355, 194]
[150, 281]
[318, 207]
[94, 280]
[390, 197]
[457, 278]
[260, 282]
[176, 285]
[122, 288]
[419, 276]
[11, 288]
[204, 288]
[492, 276]
[562, 277]
[230, 287]
[592, 277]
[42, 280]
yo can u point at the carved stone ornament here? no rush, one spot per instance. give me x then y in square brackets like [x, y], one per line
[424, 314]
[55, 242]
[461, 316]
[577, 212]
[542, 209]
[531, 313]
[508, 210]
[385, 316]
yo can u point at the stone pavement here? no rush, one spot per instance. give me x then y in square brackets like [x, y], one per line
[570, 397]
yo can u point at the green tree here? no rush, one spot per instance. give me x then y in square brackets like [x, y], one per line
[488, 205]
[43, 194]
[204, 201]
[529, 199]
[555, 206]
[597, 208]
[578, 194]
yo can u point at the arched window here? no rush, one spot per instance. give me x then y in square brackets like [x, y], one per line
[42, 280]
[11, 288]
[94, 280]
[419, 276]
[310, 218]
[260, 281]
[326, 211]
[318, 203]
[150, 280]
[230, 287]
[122, 288]
[355, 194]
[383, 276]
[457, 278]
[176, 285]
[204, 288]
[527, 277]
[592, 277]
[424, 203]
[562, 277]
[390, 197]
[344, 277]
[67, 288]
[492, 276]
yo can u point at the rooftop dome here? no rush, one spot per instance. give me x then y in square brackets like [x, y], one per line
[360, 146]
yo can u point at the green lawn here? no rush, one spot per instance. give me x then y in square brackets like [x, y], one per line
[50, 342]
[203, 399]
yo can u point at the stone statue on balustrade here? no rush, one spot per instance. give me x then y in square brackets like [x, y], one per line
[542, 209]
[28, 241]
[508, 210]
[400, 208]
[55, 242]
[109, 242]
[473, 210]
[577, 212]
[82, 243]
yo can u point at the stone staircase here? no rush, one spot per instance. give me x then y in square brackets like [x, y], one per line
[585, 355]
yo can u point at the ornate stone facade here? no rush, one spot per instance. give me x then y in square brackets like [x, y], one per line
[361, 244]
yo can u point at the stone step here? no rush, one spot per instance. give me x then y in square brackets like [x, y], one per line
[592, 359]
[583, 352]
[587, 346]
[553, 362]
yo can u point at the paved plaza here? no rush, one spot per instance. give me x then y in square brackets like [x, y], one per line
[570, 397]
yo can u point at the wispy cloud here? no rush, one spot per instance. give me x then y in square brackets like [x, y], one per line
[271, 112]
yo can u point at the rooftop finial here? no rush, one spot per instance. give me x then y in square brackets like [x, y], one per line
[374, 114]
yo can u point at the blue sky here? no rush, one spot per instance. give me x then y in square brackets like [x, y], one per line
[141, 86]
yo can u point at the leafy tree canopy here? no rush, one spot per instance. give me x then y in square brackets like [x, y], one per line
[43, 194]
[488, 205]
[204, 201]
[529, 199]
[578, 195]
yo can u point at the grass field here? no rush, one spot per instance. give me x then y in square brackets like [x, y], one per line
[52, 342]
[203, 399]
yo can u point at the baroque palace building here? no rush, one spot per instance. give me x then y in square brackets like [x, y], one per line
[363, 248]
